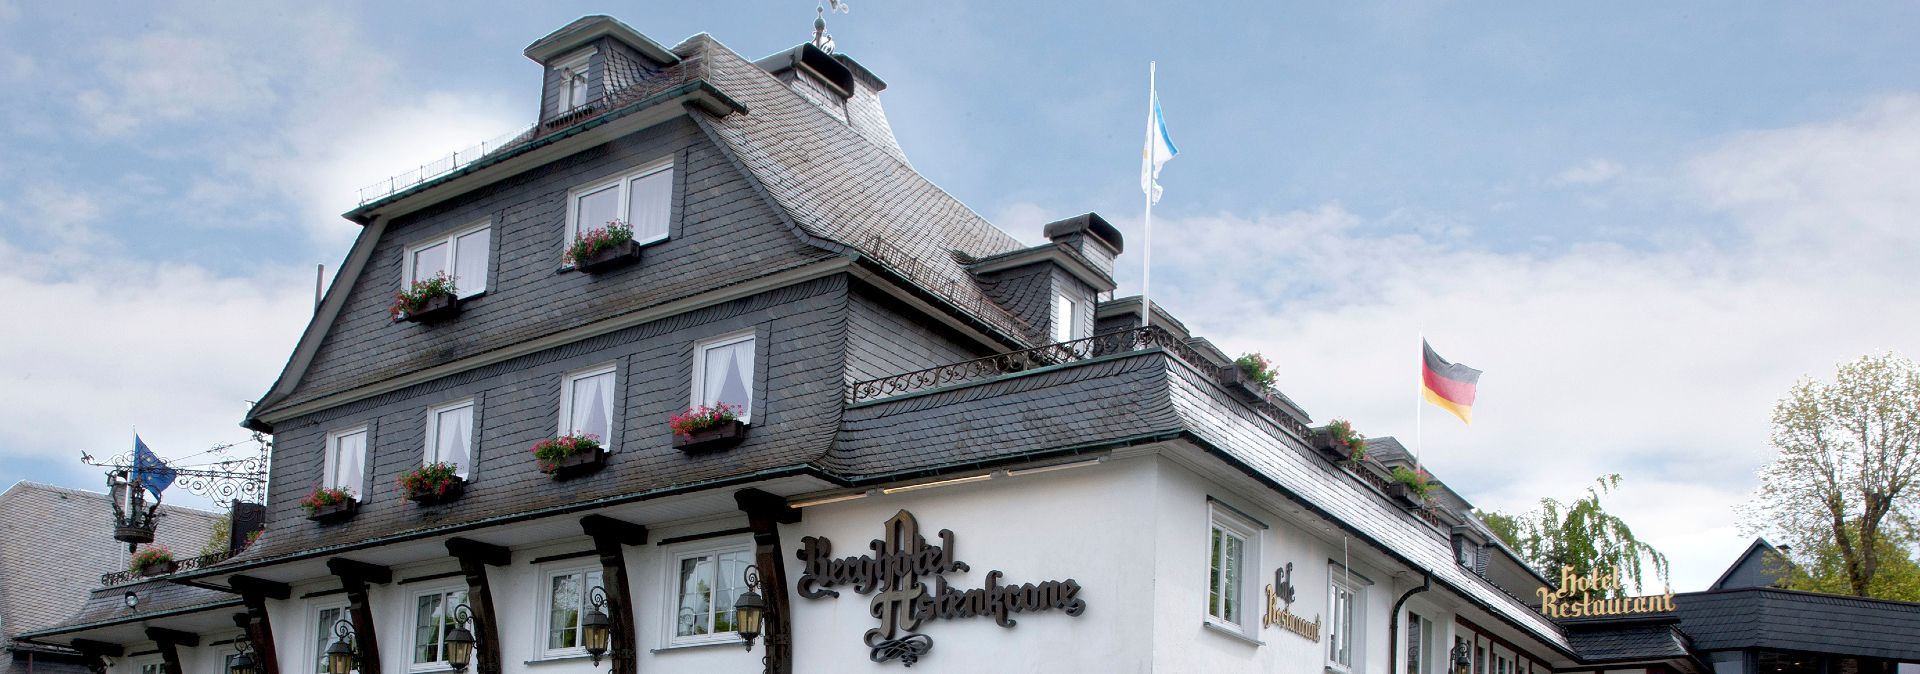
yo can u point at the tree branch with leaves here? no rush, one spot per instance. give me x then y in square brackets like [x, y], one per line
[1580, 534]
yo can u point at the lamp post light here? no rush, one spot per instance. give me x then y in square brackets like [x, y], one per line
[242, 661]
[1462, 660]
[750, 609]
[460, 639]
[596, 628]
[341, 655]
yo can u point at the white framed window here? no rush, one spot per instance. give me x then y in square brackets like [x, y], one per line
[642, 198]
[345, 466]
[153, 666]
[1419, 656]
[1233, 545]
[705, 581]
[565, 597]
[1065, 318]
[324, 620]
[1346, 620]
[723, 373]
[573, 81]
[587, 404]
[432, 620]
[462, 255]
[450, 436]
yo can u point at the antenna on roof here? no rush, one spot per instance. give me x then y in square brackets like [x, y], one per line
[821, 38]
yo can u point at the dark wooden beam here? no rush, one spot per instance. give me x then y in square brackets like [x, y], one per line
[170, 642]
[355, 576]
[254, 593]
[765, 513]
[373, 574]
[474, 558]
[610, 536]
[93, 648]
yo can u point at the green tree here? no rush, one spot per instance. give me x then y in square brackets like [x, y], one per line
[1580, 534]
[217, 539]
[1823, 569]
[1841, 491]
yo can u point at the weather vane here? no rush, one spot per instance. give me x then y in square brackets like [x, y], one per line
[821, 38]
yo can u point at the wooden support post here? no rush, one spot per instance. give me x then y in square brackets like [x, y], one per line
[97, 652]
[170, 642]
[610, 536]
[354, 577]
[255, 592]
[765, 512]
[475, 557]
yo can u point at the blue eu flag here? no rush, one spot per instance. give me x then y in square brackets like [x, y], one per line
[149, 470]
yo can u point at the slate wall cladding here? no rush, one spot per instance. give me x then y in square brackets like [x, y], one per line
[1027, 292]
[721, 234]
[883, 340]
[798, 389]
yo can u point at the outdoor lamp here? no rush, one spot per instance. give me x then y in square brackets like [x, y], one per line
[750, 608]
[595, 628]
[340, 655]
[459, 640]
[1462, 662]
[242, 662]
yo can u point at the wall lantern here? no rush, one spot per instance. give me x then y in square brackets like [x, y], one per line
[459, 639]
[1462, 660]
[242, 662]
[340, 655]
[595, 628]
[132, 515]
[750, 608]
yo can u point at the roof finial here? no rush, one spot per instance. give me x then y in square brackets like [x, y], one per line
[821, 38]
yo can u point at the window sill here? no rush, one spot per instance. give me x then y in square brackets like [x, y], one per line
[560, 658]
[735, 642]
[1233, 632]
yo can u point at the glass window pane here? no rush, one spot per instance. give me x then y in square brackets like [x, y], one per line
[563, 623]
[426, 630]
[1062, 318]
[650, 204]
[323, 637]
[590, 406]
[470, 263]
[729, 582]
[429, 261]
[728, 375]
[1213, 575]
[453, 438]
[349, 462]
[696, 595]
[594, 209]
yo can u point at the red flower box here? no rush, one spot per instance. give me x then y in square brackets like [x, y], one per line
[334, 512]
[433, 310]
[607, 259]
[725, 435]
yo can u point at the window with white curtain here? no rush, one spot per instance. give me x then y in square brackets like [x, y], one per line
[706, 581]
[1346, 606]
[463, 256]
[1232, 549]
[723, 373]
[346, 460]
[569, 594]
[450, 436]
[573, 81]
[1065, 325]
[587, 404]
[324, 620]
[642, 198]
[432, 621]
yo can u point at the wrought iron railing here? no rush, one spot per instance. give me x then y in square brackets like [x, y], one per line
[133, 575]
[944, 285]
[1383, 485]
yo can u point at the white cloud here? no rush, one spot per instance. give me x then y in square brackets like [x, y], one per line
[1591, 172]
[1659, 362]
[101, 343]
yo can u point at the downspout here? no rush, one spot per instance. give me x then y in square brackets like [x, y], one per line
[1393, 621]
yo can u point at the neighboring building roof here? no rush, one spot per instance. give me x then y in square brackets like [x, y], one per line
[589, 28]
[1623, 641]
[1762, 565]
[55, 542]
[1789, 620]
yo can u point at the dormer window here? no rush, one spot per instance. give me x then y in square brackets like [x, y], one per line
[573, 81]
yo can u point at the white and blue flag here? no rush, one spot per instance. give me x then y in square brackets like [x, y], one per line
[1159, 147]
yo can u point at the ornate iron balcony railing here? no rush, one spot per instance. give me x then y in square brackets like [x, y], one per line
[133, 575]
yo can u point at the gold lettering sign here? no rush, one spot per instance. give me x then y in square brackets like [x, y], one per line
[1562, 604]
[1280, 605]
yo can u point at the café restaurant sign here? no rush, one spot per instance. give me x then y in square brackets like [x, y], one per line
[1564, 604]
[1280, 607]
[907, 577]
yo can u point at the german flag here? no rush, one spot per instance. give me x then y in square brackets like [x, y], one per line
[1448, 385]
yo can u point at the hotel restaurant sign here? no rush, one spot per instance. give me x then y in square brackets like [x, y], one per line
[897, 575]
[1563, 604]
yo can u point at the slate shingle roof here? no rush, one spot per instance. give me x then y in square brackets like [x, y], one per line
[1620, 642]
[55, 542]
[1800, 621]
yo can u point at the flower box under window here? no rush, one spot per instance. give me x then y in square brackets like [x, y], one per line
[437, 482]
[160, 568]
[570, 456]
[433, 310]
[610, 258]
[443, 493]
[340, 511]
[718, 437]
[1405, 496]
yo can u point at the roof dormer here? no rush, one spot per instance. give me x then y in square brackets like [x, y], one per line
[589, 62]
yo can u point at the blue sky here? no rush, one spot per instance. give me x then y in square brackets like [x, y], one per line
[1644, 221]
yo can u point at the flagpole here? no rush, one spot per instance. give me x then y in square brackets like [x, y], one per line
[1146, 258]
[1419, 397]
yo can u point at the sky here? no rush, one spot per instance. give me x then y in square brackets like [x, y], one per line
[1643, 221]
